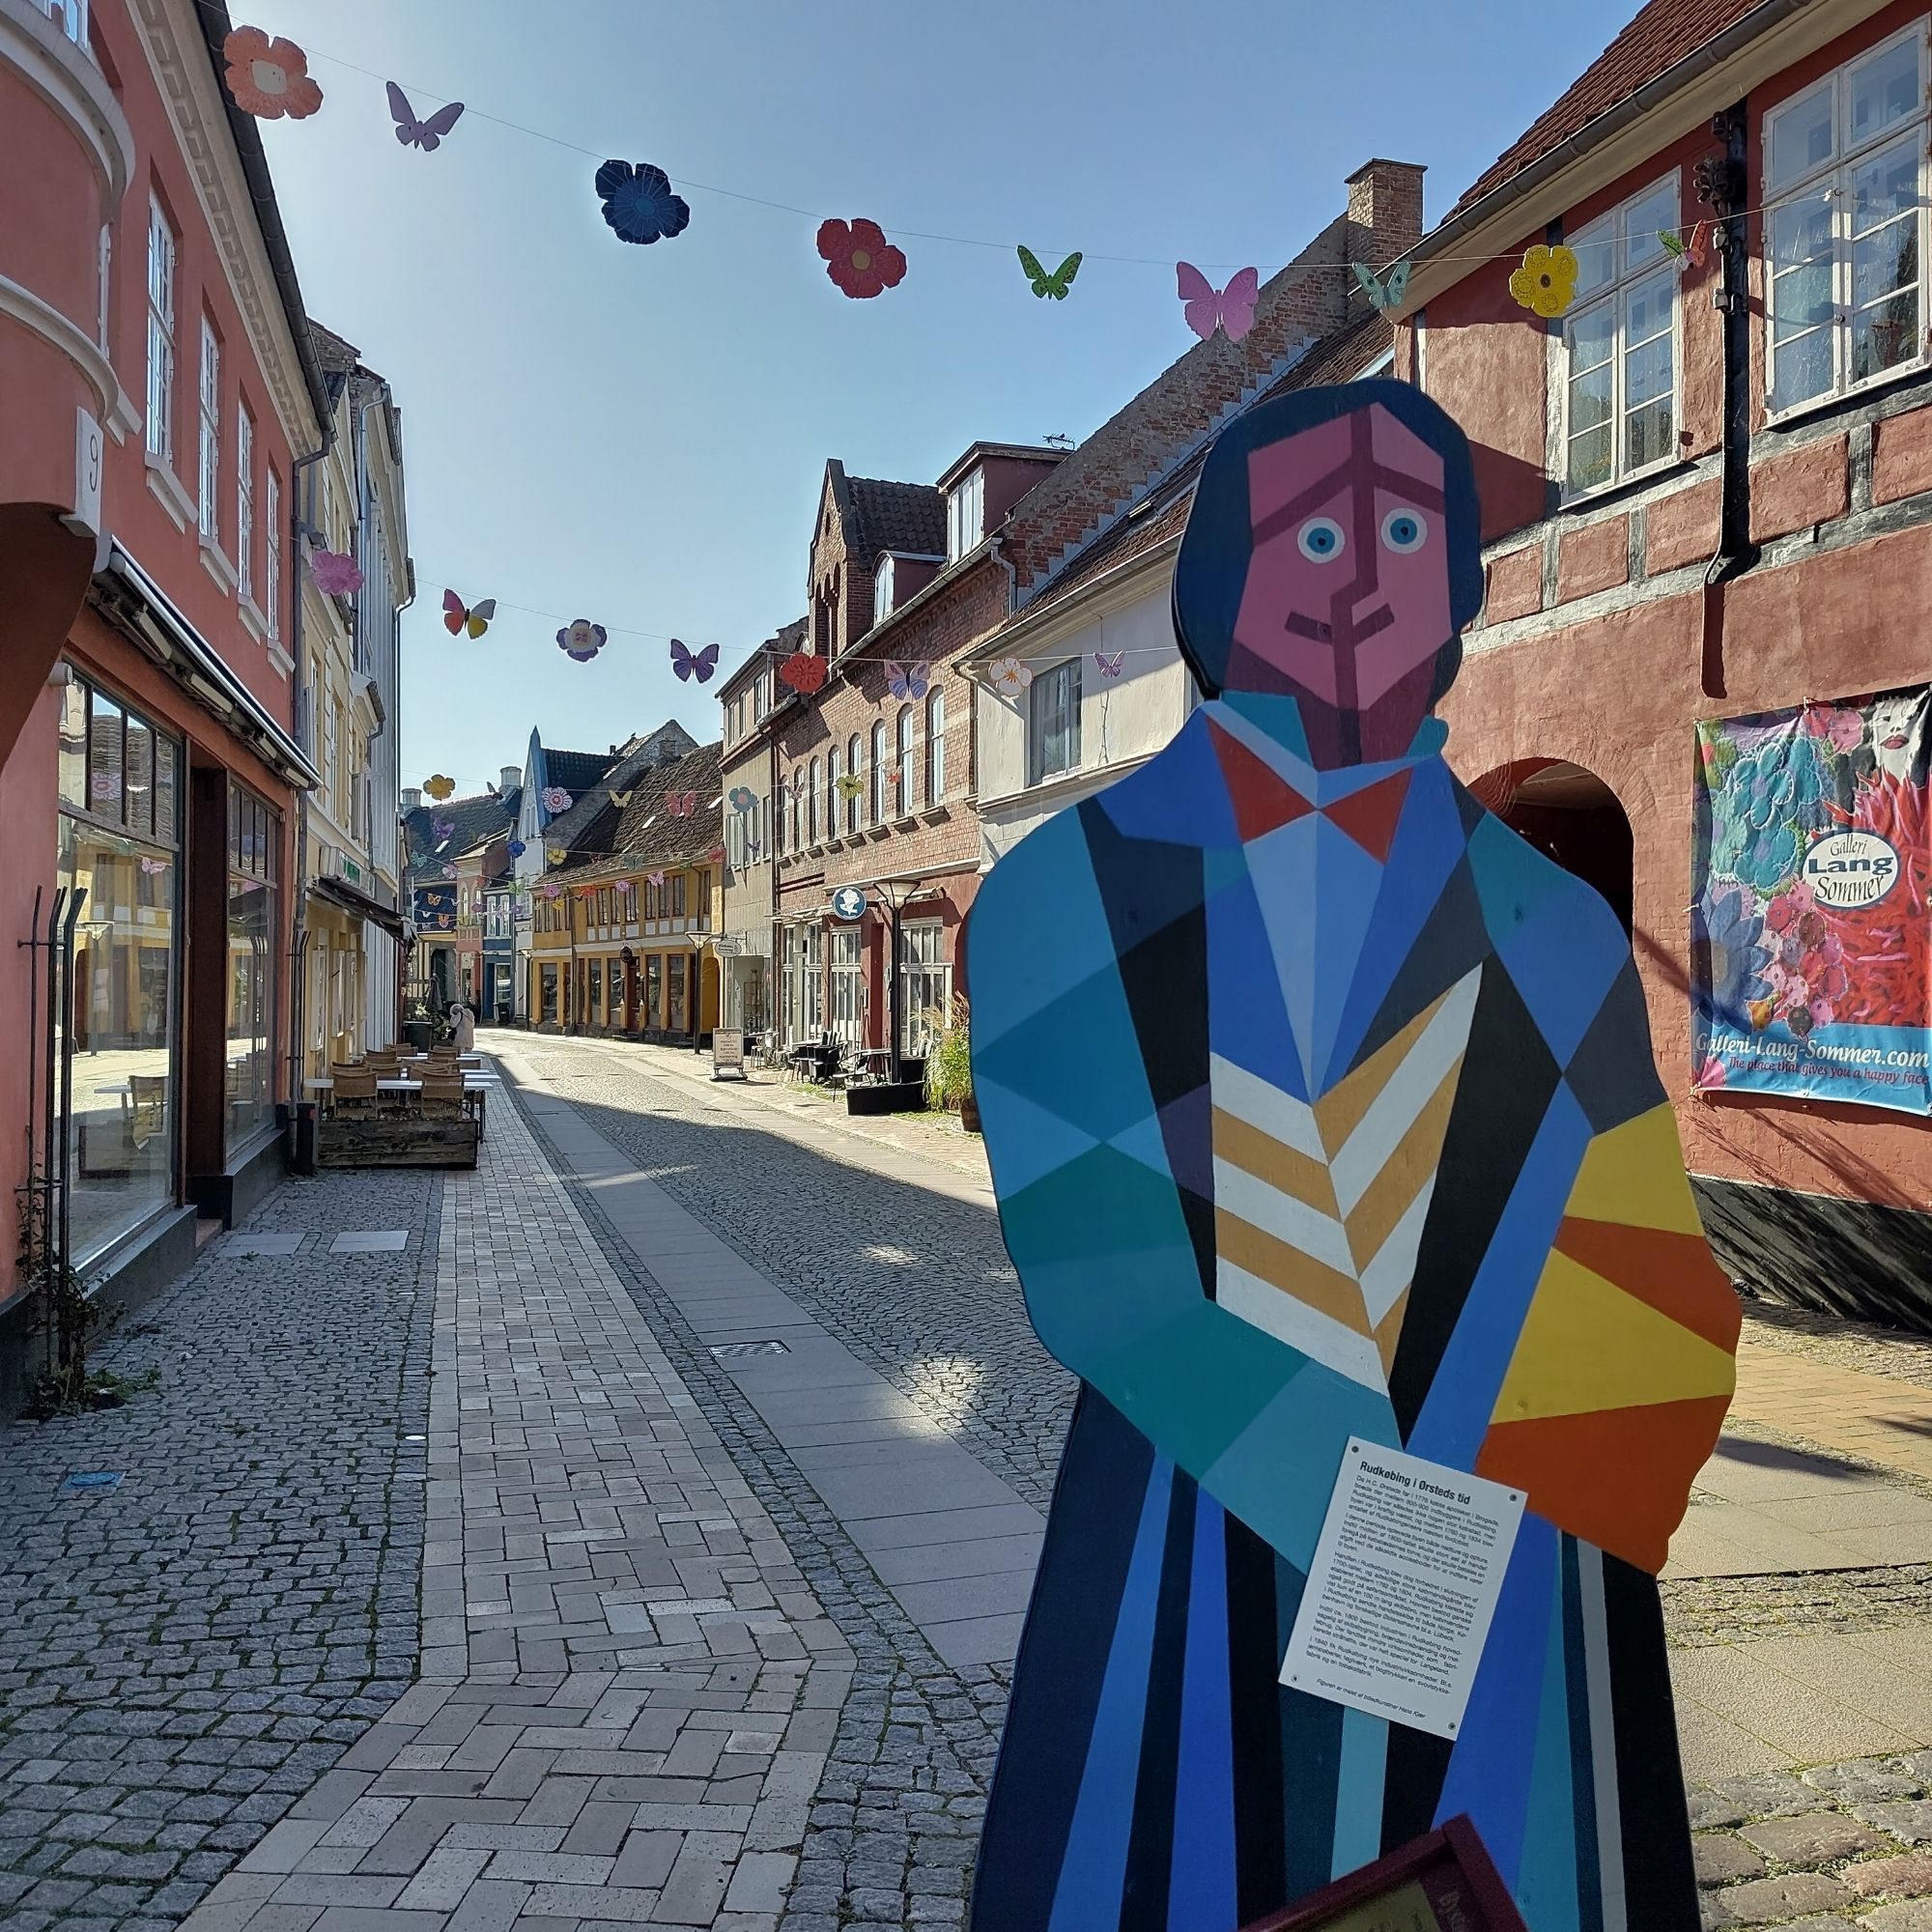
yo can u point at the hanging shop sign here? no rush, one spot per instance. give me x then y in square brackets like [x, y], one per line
[848, 903]
[1811, 867]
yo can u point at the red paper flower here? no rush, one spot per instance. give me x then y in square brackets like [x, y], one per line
[859, 259]
[803, 671]
[268, 78]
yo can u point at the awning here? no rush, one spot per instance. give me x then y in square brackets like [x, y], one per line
[339, 891]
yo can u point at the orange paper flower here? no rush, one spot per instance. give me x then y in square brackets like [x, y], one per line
[268, 78]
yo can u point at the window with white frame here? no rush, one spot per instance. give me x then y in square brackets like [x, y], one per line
[1844, 190]
[812, 805]
[1053, 722]
[848, 984]
[908, 769]
[882, 590]
[832, 793]
[965, 514]
[1620, 343]
[926, 985]
[271, 554]
[210, 430]
[855, 764]
[160, 334]
[245, 501]
[882, 809]
[69, 16]
[935, 746]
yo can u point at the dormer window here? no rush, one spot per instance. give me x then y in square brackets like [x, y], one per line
[882, 590]
[965, 515]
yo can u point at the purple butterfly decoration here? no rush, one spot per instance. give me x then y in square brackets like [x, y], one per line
[424, 134]
[153, 865]
[689, 664]
[1110, 667]
[1230, 308]
[442, 829]
[335, 574]
[907, 680]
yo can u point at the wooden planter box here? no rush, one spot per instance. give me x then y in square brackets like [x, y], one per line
[396, 1141]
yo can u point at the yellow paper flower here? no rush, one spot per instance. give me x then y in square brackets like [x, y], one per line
[1547, 282]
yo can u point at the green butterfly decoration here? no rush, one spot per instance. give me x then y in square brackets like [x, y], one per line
[1056, 284]
[1385, 291]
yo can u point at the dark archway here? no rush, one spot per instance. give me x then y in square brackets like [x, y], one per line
[1571, 815]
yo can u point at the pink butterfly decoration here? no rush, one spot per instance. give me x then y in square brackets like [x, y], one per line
[153, 865]
[1232, 309]
[1110, 667]
[335, 574]
[680, 805]
[424, 134]
[689, 664]
[907, 680]
[655, 880]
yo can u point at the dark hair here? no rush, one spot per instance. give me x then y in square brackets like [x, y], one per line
[1212, 571]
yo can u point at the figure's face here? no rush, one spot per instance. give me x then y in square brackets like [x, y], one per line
[1894, 735]
[1348, 591]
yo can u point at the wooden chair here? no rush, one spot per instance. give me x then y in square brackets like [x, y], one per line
[354, 1090]
[441, 1094]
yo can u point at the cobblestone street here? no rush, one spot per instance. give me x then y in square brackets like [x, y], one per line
[637, 1531]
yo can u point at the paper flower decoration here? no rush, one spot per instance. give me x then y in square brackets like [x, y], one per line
[689, 664]
[622, 887]
[516, 849]
[424, 134]
[744, 799]
[458, 617]
[639, 203]
[851, 785]
[1058, 283]
[1547, 282]
[716, 856]
[859, 261]
[1011, 676]
[582, 639]
[803, 671]
[556, 798]
[336, 573]
[439, 787]
[558, 854]
[549, 890]
[268, 78]
[1206, 308]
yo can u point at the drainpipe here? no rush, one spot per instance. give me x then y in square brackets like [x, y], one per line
[298, 931]
[1724, 184]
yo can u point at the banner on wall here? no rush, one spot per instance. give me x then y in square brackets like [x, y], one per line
[1810, 874]
[436, 908]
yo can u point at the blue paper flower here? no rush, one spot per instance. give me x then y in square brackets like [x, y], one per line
[639, 203]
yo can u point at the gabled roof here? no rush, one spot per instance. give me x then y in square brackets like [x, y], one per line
[880, 515]
[645, 833]
[1663, 34]
[576, 771]
[475, 820]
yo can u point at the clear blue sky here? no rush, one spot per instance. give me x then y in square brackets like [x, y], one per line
[636, 435]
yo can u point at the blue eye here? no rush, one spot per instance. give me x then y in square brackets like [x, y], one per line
[1321, 539]
[1405, 530]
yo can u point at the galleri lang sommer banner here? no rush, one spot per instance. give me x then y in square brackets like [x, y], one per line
[1810, 876]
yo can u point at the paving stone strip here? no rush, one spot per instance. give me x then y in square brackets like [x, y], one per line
[184, 1654]
[628, 1691]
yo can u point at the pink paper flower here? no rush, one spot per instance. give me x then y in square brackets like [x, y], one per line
[336, 573]
[268, 78]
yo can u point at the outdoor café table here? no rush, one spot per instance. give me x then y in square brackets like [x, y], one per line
[320, 1086]
[399, 1085]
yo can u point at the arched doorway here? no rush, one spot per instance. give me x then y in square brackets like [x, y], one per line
[1570, 816]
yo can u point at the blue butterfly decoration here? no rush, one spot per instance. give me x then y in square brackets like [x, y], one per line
[639, 203]
[1385, 292]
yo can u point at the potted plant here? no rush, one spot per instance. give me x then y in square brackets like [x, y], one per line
[949, 1066]
[419, 1029]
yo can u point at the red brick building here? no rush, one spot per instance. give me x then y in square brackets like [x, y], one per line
[160, 393]
[1707, 493]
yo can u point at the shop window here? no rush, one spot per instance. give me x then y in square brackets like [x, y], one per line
[118, 843]
[596, 989]
[254, 841]
[654, 990]
[547, 994]
[848, 984]
[674, 1020]
[1844, 226]
[926, 985]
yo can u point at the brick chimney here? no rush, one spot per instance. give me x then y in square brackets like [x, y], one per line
[1384, 212]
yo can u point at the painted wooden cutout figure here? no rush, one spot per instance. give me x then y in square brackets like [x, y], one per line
[1320, 1105]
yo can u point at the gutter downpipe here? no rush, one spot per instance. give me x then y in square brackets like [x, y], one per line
[299, 932]
[1736, 552]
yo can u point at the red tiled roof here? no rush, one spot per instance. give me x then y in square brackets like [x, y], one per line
[1660, 36]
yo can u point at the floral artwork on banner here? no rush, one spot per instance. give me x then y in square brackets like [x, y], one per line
[859, 261]
[268, 78]
[1811, 872]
